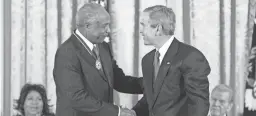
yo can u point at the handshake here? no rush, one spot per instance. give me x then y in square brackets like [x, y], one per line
[126, 112]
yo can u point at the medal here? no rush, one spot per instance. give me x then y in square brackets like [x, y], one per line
[98, 64]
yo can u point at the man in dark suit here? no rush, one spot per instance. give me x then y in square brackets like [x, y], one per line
[221, 100]
[175, 74]
[85, 72]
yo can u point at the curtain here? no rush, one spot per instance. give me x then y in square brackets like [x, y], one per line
[221, 29]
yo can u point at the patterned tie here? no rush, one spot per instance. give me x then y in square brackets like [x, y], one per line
[98, 63]
[156, 64]
[96, 54]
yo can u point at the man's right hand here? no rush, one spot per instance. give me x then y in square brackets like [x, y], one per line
[127, 112]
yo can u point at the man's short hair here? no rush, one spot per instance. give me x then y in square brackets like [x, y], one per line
[163, 15]
[225, 88]
[88, 14]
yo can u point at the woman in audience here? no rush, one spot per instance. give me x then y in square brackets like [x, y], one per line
[33, 101]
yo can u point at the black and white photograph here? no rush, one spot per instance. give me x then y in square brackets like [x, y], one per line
[128, 58]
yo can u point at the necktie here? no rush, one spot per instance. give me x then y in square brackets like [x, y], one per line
[156, 64]
[96, 54]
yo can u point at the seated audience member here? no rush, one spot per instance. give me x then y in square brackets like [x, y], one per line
[33, 101]
[221, 100]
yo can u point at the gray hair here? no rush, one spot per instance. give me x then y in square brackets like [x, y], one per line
[225, 88]
[163, 15]
[88, 14]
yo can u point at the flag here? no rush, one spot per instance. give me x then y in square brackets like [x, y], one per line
[250, 89]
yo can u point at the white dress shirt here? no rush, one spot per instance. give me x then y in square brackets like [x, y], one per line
[164, 49]
[88, 43]
[210, 114]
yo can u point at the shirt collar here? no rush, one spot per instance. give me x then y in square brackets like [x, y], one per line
[88, 43]
[210, 115]
[165, 47]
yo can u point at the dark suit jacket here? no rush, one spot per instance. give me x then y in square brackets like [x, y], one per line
[83, 91]
[181, 87]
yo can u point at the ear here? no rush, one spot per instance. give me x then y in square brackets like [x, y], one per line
[87, 26]
[159, 30]
[230, 106]
[172, 26]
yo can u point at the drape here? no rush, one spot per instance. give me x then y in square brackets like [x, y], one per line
[221, 29]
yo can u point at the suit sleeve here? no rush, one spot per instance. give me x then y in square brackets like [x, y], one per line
[123, 83]
[68, 78]
[126, 84]
[141, 108]
[196, 69]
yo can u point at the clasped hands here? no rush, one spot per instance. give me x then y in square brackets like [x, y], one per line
[126, 112]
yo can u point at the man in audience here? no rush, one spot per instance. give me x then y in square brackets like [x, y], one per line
[221, 100]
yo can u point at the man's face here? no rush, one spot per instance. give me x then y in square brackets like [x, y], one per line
[220, 103]
[148, 33]
[100, 28]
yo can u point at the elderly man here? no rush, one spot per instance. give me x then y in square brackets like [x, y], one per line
[85, 72]
[221, 100]
[175, 74]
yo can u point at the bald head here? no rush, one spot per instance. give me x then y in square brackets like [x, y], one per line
[89, 13]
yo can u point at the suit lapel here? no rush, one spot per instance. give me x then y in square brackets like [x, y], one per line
[85, 54]
[82, 50]
[148, 70]
[164, 67]
[106, 63]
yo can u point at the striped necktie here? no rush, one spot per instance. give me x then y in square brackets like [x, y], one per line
[156, 64]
